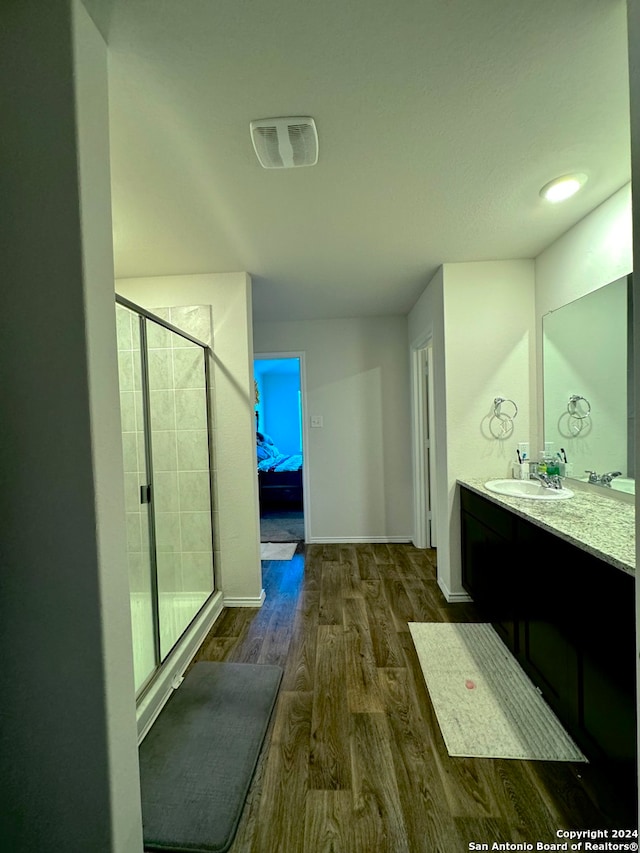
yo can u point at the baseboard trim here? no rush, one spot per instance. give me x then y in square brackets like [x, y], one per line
[359, 540]
[172, 669]
[251, 601]
[453, 597]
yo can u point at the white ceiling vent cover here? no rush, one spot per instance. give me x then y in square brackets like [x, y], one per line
[282, 143]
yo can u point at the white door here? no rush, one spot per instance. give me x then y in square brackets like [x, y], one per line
[429, 446]
[424, 452]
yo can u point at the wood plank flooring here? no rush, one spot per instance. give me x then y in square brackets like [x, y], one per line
[354, 761]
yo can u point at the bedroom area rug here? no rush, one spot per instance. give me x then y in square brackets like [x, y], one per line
[485, 704]
[277, 550]
[199, 757]
[283, 526]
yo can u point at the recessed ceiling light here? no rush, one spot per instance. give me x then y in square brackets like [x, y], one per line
[561, 188]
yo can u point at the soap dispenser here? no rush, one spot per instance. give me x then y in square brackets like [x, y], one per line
[553, 467]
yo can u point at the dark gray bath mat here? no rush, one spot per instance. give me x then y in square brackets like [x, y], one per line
[198, 759]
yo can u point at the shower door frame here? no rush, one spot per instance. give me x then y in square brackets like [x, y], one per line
[143, 315]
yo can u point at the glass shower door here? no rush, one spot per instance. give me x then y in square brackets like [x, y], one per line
[164, 404]
[180, 477]
[139, 551]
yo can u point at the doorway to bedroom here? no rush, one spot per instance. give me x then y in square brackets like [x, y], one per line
[280, 423]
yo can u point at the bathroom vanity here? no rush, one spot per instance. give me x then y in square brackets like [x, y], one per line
[557, 581]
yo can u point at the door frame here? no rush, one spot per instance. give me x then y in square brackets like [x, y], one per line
[423, 428]
[306, 501]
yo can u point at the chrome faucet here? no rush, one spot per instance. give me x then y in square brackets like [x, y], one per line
[602, 479]
[548, 481]
[606, 479]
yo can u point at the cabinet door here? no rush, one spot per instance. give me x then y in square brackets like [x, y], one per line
[547, 627]
[474, 553]
[487, 564]
[606, 642]
[608, 716]
[550, 661]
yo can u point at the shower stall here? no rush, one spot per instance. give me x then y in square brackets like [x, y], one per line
[164, 375]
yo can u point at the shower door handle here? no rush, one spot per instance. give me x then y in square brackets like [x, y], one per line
[145, 494]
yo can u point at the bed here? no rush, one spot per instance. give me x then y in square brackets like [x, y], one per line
[279, 476]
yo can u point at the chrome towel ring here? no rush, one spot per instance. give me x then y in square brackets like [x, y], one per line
[505, 419]
[497, 408]
[579, 409]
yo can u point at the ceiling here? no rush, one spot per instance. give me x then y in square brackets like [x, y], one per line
[438, 123]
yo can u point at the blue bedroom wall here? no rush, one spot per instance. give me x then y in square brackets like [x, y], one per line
[278, 383]
[281, 418]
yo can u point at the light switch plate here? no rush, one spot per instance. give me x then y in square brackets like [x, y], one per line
[316, 421]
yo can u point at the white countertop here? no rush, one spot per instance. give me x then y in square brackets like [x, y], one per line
[603, 526]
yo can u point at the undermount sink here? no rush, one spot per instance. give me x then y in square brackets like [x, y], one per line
[530, 489]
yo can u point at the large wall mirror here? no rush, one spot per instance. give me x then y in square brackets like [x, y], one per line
[588, 385]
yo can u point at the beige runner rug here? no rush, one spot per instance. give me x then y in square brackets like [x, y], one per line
[277, 550]
[486, 705]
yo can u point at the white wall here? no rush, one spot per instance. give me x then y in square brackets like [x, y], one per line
[68, 731]
[482, 319]
[235, 516]
[591, 254]
[489, 352]
[359, 462]
[108, 477]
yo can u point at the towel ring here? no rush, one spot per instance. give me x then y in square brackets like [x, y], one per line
[578, 416]
[505, 421]
[572, 407]
[497, 408]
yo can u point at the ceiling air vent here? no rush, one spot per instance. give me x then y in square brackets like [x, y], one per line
[282, 143]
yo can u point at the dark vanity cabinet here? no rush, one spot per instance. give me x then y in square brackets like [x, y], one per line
[488, 549]
[567, 616]
[548, 611]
